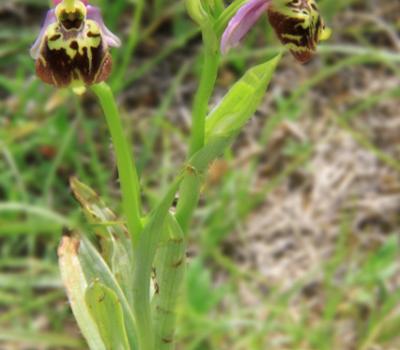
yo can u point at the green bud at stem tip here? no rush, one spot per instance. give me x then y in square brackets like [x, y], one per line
[196, 11]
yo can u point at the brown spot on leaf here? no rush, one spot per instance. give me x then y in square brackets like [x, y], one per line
[102, 297]
[162, 310]
[69, 245]
[178, 263]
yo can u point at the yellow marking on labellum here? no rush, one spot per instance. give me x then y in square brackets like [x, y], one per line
[296, 48]
[291, 37]
[92, 38]
[305, 11]
[88, 38]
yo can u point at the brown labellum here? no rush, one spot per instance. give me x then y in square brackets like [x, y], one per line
[57, 68]
[298, 28]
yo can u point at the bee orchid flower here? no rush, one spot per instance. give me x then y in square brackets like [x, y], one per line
[72, 48]
[297, 23]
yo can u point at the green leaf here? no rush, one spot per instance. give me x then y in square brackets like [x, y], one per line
[240, 103]
[115, 241]
[144, 254]
[76, 284]
[96, 211]
[169, 268]
[106, 310]
[214, 147]
[104, 222]
[379, 265]
[222, 125]
[95, 268]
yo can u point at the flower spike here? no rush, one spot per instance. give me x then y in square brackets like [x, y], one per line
[72, 46]
[297, 23]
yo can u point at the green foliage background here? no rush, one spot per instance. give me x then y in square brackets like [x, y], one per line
[346, 295]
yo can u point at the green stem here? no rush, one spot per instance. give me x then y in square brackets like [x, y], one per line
[204, 91]
[190, 189]
[130, 187]
[188, 200]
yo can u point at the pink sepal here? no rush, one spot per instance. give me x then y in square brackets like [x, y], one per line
[94, 14]
[242, 22]
[50, 19]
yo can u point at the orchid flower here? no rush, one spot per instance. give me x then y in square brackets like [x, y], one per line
[297, 23]
[72, 46]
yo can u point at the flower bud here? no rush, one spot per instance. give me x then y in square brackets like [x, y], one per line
[214, 8]
[197, 11]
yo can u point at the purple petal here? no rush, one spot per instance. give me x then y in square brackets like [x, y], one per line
[242, 22]
[50, 19]
[94, 14]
